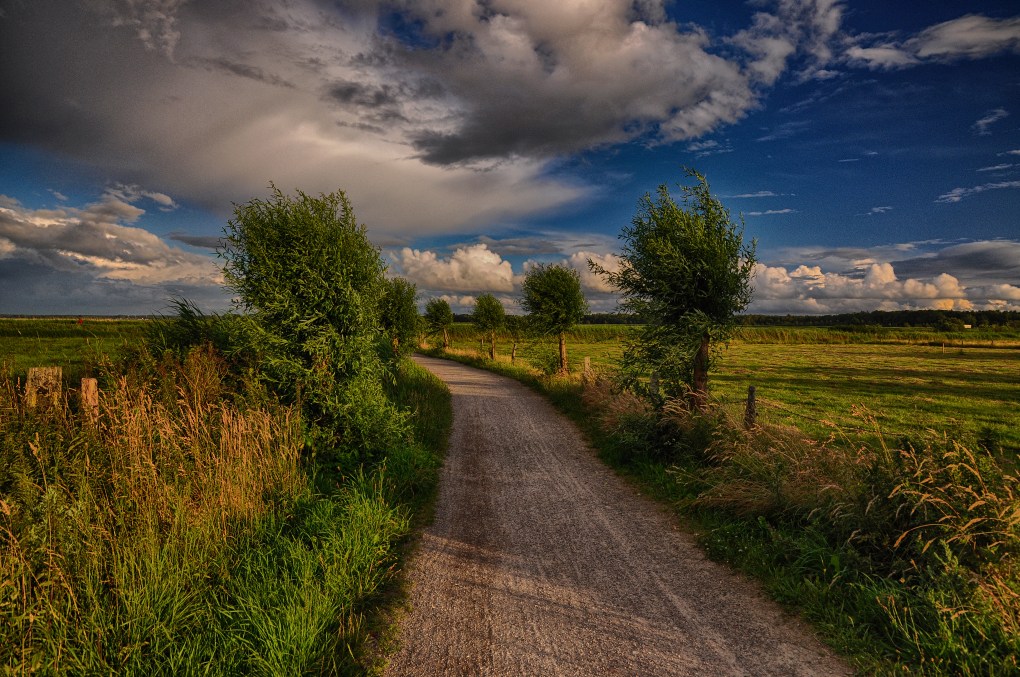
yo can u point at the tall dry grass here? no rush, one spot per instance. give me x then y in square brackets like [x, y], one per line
[179, 532]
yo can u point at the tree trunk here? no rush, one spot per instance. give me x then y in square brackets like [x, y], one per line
[563, 353]
[492, 346]
[699, 393]
[446, 339]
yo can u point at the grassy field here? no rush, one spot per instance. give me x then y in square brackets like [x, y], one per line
[826, 382]
[65, 342]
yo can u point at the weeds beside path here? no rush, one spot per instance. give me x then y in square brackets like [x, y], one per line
[542, 561]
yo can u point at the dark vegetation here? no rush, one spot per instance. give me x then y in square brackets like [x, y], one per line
[237, 502]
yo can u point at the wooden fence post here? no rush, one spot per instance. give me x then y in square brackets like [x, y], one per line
[751, 410]
[90, 399]
[43, 386]
[653, 384]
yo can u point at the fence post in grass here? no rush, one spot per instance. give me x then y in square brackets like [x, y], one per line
[90, 399]
[43, 386]
[751, 409]
[653, 384]
[586, 375]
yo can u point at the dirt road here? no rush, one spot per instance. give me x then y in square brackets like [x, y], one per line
[541, 561]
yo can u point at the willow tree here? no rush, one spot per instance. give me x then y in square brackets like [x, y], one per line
[439, 319]
[488, 317]
[686, 271]
[554, 302]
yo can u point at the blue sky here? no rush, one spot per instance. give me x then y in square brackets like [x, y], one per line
[872, 150]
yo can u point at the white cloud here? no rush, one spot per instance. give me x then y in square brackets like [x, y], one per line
[968, 37]
[760, 193]
[879, 210]
[971, 37]
[771, 212]
[981, 126]
[472, 268]
[995, 168]
[901, 276]
[957, 194]
[591, 281]
[97, 241]
[881, 57]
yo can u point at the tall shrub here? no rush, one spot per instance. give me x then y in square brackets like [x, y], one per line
[309, 285]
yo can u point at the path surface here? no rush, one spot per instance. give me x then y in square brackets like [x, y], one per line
[541, 561]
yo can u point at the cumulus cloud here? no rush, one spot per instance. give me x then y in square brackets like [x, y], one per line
[811, 290]
[96, 239]
[590, 281]
[901, 276]
[472, 268]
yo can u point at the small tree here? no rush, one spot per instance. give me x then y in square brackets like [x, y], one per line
[400, 317]
[488, 318]
[554, 301]
[686, 271]
[439, 319]
[309, 285]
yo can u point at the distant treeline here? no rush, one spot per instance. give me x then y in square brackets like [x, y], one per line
[940, 319]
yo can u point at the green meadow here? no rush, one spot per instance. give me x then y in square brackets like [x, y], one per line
[827, 382]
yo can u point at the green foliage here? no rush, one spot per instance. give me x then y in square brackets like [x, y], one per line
[439, 319]
[554, 302]
[553, 298]
[686, 272]
[311, 286]
[400, 319]
[182, 533]
[488, 318]
[189, 328]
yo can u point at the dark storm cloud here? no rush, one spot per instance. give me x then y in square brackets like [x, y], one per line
[240, 69]
[204, 241]
[42, 290]
[975, 262]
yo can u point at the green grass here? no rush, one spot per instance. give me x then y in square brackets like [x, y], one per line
[187, 533]
[64, 342]
[828, 382]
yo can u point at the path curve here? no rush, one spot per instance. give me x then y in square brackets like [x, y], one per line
[541, 561]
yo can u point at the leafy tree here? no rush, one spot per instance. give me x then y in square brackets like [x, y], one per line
[554, 301]
[310, 284]
[400, 317]
[488, 318]
[686, 271]
[439, 319]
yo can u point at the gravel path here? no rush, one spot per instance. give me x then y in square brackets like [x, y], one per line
[541, 561]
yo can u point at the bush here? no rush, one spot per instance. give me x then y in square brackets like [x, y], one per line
[311, 287]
